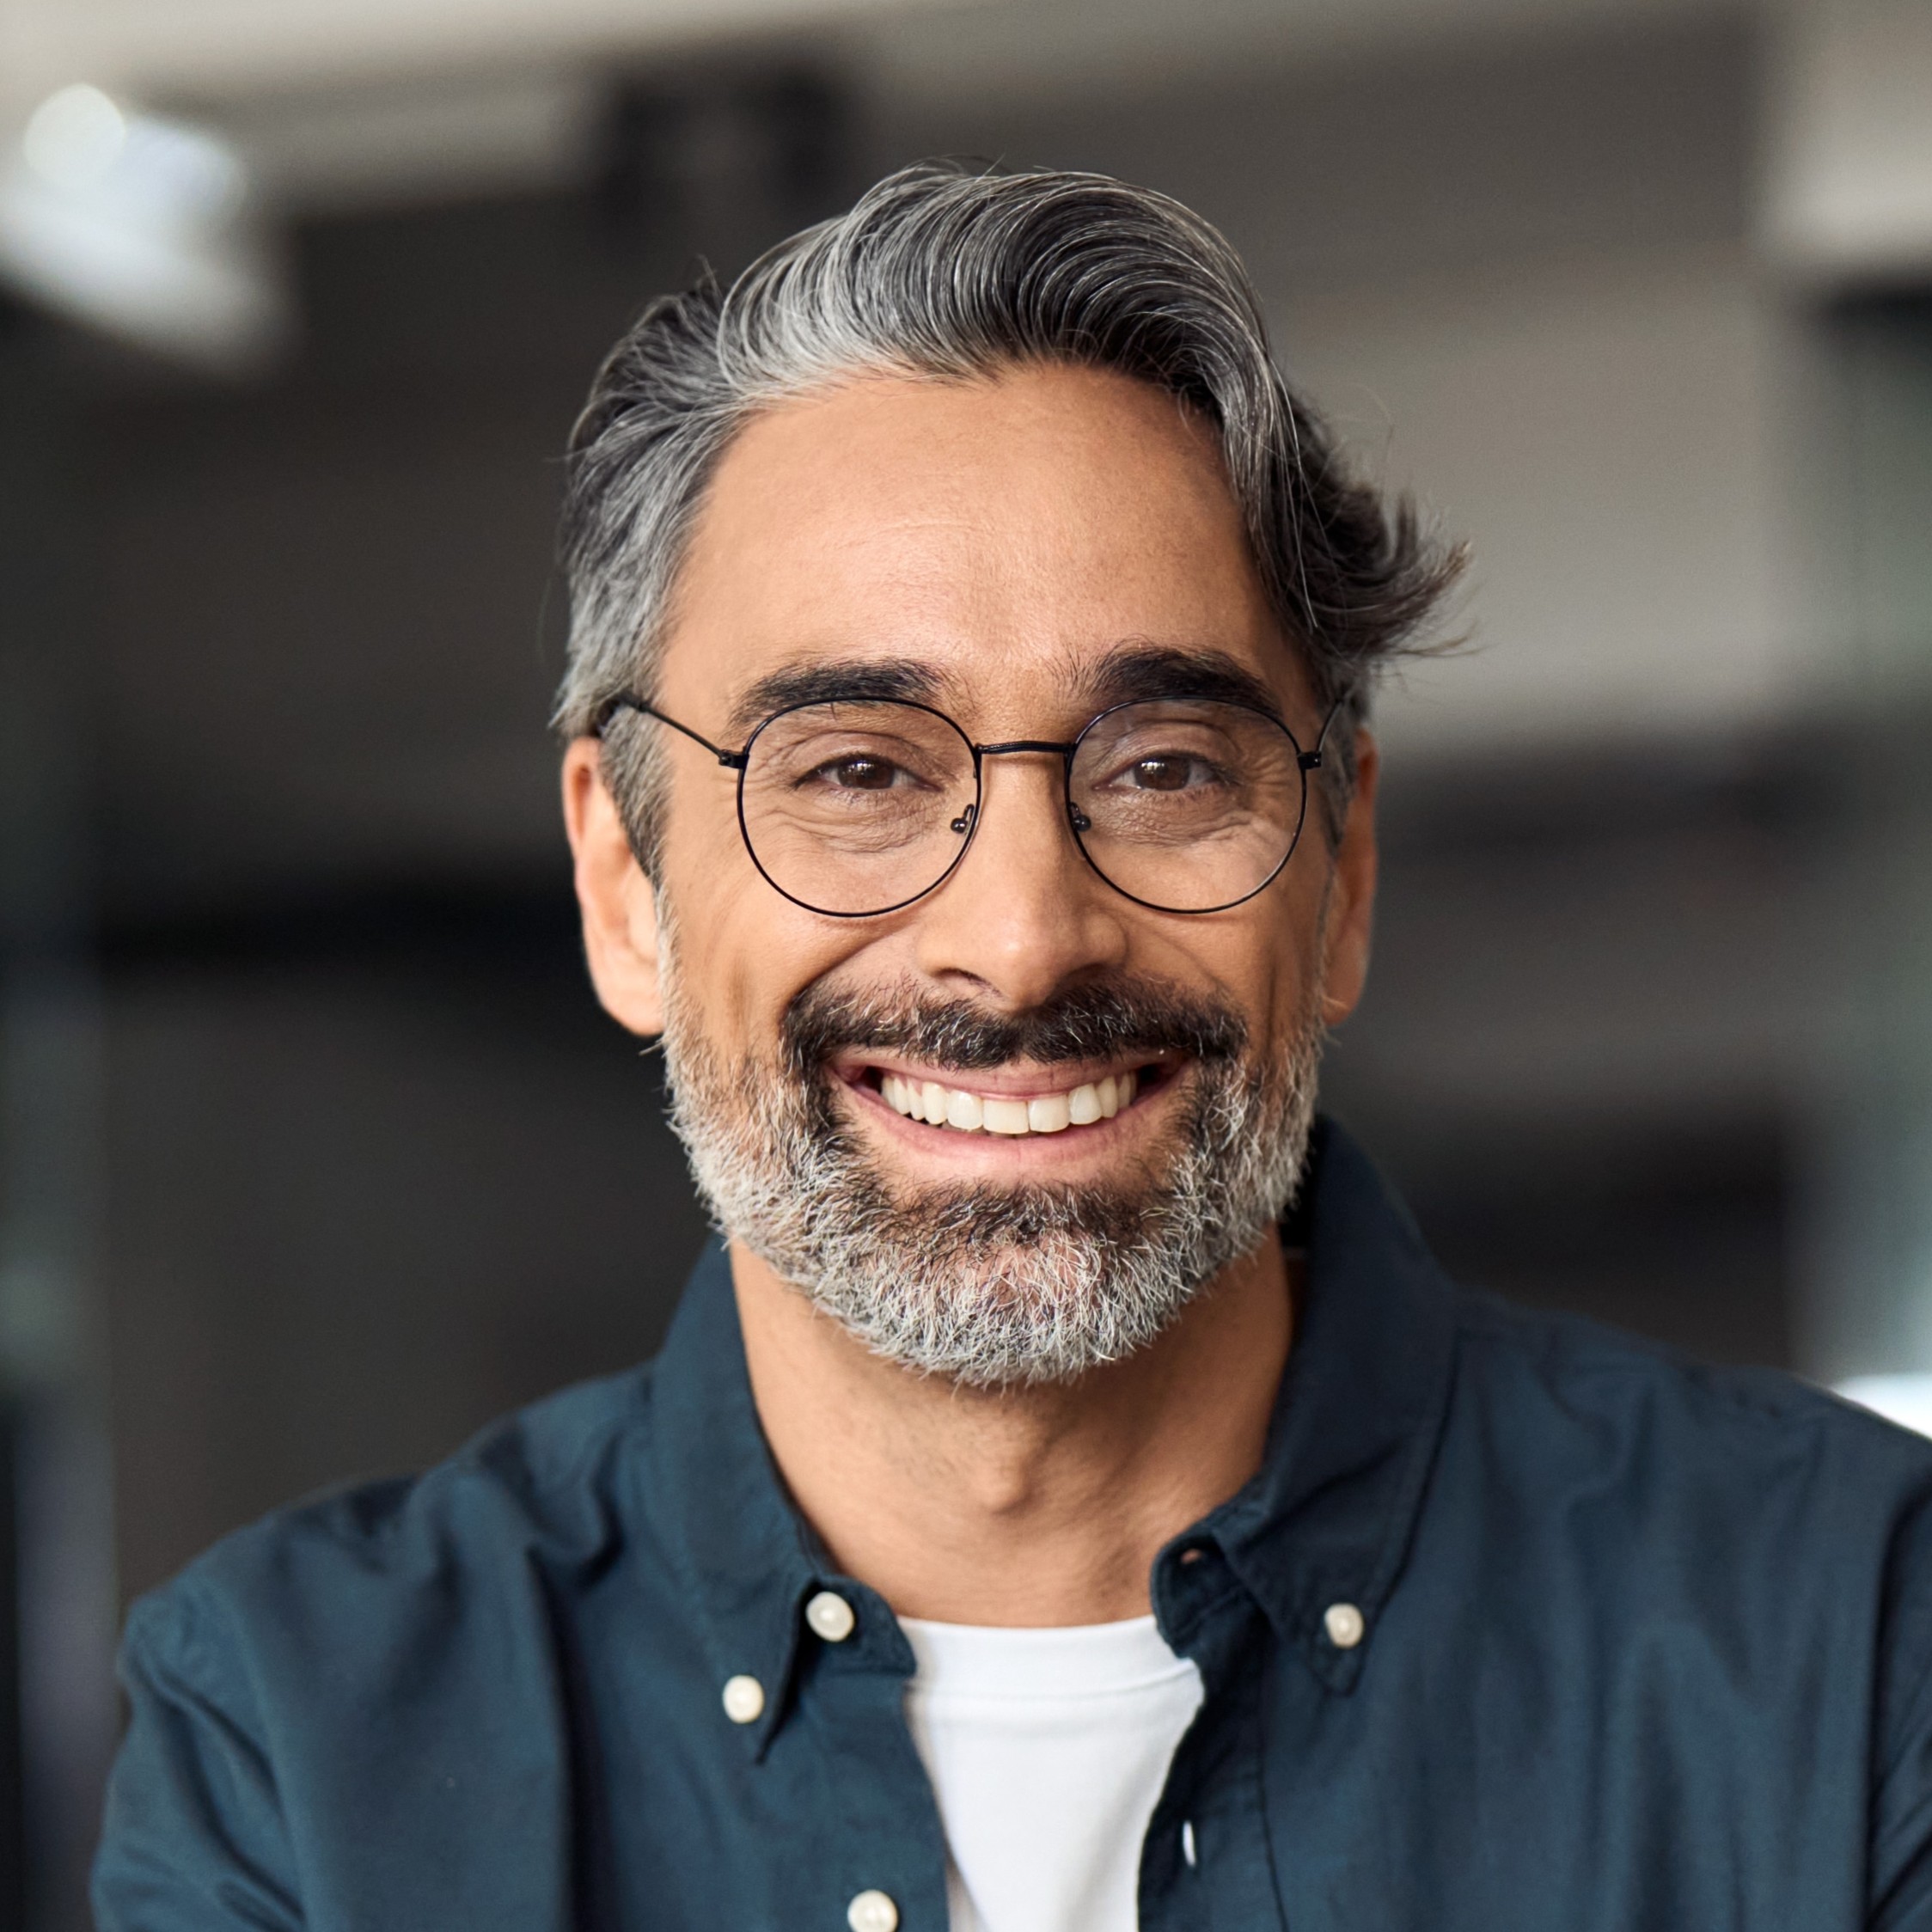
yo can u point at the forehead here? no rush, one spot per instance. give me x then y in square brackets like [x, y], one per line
[1004, 538]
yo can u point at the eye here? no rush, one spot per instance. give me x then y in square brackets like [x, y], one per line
[1169, 771]
[862, 771]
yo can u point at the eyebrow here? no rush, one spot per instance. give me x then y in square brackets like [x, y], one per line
[848, 680]
[1131, 672]
[1126, 674]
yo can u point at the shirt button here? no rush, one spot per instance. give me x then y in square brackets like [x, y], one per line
[744, 1699]
[872, 1911]
[831, 1616]
[1344, 1625]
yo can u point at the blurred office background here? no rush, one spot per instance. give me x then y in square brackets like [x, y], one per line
[314, 1153]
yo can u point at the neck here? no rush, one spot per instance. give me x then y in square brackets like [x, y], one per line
[1017, 1506]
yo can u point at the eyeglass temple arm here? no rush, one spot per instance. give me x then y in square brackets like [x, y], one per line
[734, 759]
[1309, 759]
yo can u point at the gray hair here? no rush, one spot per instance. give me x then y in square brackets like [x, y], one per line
[944, 273]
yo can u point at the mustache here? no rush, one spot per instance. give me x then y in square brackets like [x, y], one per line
[1101, 1021]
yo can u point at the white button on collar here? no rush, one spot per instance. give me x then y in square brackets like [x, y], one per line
[744, 1699]
[872, 1911]
[831, 1616]
[1344, 1625]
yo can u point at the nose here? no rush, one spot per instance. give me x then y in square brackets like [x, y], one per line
[1024, 916]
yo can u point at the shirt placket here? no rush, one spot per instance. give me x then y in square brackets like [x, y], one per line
[881, 1865]
[1207, 1862]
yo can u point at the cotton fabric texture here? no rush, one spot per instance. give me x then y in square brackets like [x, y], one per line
[1642, 1645]
[1046, 1749]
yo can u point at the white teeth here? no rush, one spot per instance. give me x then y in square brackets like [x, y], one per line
[974, 1113]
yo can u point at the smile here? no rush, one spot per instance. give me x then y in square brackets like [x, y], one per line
[967, 1112]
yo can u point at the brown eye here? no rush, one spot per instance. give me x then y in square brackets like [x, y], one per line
[862, 775]
[1164, 774]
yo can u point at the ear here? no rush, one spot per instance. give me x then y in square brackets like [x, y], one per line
[618, 905]
[1351, 909]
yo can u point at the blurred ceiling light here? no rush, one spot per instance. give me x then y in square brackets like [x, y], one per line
[74, 137]
[1904, 1399]
[141, 227]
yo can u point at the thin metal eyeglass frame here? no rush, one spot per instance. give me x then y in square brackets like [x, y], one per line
[739, 761]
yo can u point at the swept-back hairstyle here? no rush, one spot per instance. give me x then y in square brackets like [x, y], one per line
[946, 272]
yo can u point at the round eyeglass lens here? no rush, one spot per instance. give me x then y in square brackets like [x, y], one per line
[1187, 804]
[857, 806]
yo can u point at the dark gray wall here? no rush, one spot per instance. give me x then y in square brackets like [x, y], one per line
[369, 1188]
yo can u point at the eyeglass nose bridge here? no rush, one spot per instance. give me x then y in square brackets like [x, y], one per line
[1024, 744]
[967, 822]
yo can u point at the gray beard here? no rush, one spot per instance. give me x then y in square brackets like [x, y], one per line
[993, 1288]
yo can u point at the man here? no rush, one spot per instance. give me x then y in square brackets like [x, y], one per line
[1071, 1499]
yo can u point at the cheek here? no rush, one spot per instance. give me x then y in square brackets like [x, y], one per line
[1273, 965]
[743, 951]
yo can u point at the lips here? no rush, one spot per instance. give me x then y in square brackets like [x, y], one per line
[965, 1111]
[1058, 1073]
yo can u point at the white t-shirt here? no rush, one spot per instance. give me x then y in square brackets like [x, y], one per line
[1048, 1749]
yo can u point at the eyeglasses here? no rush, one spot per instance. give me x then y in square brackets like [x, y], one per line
[855, 807]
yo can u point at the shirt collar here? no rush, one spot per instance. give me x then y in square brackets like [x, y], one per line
[1327, 1520]
[740, 1550]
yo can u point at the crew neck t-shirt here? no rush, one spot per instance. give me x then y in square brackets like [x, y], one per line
[1048, 1749]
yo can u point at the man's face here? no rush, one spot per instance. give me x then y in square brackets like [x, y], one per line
[1025, 551]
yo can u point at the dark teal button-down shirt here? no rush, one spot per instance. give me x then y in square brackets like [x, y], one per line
[1646, 1648]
